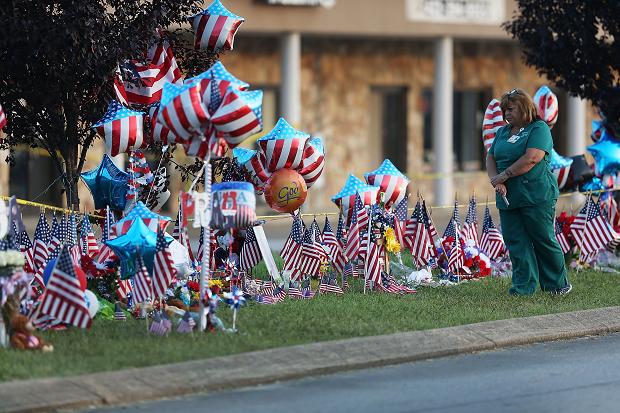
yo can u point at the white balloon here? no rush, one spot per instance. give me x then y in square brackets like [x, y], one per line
[180, 258]
[91, 302]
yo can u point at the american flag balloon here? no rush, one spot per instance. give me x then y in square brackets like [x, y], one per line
[313, 161]
[219, 72]
[493, 120]
[560, 166]
[158, 132]
[391, 181]
[283, 147]
[181, 110]
[345, 199]
[215, 27]
[140, 211]
[546, 105]
[211, 142]
[121, 128]
[253, 163]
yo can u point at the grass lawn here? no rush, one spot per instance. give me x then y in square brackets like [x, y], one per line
[110, 345]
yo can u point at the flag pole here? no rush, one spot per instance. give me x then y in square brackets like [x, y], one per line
[367, 250]
[206, 244]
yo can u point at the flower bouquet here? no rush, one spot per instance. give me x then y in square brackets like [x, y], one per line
[10, 262]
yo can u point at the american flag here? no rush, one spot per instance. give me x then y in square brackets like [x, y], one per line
[179, 232]
[158, 131]
[418, 237]
[373, 264]
[313, 161]
[597, 232]
[56, 238]
[71, 237]
[215, 27]
[453, 229]
[42, 237]
[306, 289]
[400, 222]
[283, 147]
[609, 209]
[493, 120]
[163, 266]
[2, 118]
[579, 223]
[432, 231]
[350, 270]
[335, 250]
[560, 167]
[341, 231]
[142, 288]
[346, 198]
[253, 162]
[292, 248]
[362, 213]
[26, 248]
[121, 128]
[63, 299]
[124, 288]
[161, 324]
[329, 285]
[181, 110]
[312, 253]
[87, 238]
[546, 105]
[294, 291]
[388, 284]
[470, 228]
[352, 249]
[562, 240]
[148, 78]
[187, 324]
[105, 252]
[140, 211]
[492, 241]
[250, 252]
[457, 256]
[391, 181]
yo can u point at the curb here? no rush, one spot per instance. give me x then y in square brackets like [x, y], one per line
[268, 366]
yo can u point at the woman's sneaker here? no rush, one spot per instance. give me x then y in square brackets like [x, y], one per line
[563, 290]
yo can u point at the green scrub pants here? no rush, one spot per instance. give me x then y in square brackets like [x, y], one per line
[534, 251]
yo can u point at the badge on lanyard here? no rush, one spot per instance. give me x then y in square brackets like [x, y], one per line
[515, 138]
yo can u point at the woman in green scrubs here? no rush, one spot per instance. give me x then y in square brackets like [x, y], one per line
[527, 191]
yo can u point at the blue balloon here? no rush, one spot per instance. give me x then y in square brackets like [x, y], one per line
[594, 185]
[47, 272]
[108, 184]
[606, 153]
[139, 239]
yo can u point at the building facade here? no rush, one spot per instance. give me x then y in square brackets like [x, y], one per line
[407, 80]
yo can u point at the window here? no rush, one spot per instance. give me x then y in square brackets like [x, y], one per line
[389, 125]
[468, 112]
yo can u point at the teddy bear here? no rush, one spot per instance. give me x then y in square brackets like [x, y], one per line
[22, 337]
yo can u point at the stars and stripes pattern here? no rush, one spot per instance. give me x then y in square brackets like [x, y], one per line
[294, 291]
[123, 289]
[391, 181]
[142, 283]
[148, 79]
[181, 110]
[312, 253]
[254, 164]
[346, 198]
[353, 247]
[336, 254]
[107, 233]
[56, 238]
[159, 133]
[457, 256]
[400, 222]
[63, 300]
[453, 229]
[121, 128]
[546, 105]
[491, 241]
[71, 236]
[87, 238]
[341, 231]
[329, 285]
[597, 232]
[250, 252]
[609, 209]
[26, 248]
[291, 250]
[579, 224]
[163, 267]
[283, 147]
[313, 161]
[215, 27]
[418, 237]
[493, 120]
[470, 227]
[561, 237]
[373, 267]
[42, 237]
[388, 284]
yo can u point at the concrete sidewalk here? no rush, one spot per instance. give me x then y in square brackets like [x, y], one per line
[268, 366]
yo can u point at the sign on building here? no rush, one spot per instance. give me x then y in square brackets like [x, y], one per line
[491, 12]
[308, 3]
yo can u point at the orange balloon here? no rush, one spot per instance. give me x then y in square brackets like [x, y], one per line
[285, 190]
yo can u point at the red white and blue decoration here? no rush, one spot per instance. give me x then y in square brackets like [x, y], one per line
[560, 166]
[493, 120]
[283, 147]
[313, 161]
[121, 128]
[234, 205]
[181, 110]
[546, 105]
[219, 72]
[140, 212]
[390, 180]
[215, 27]
[345, 199]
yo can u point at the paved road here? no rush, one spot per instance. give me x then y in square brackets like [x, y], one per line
[567, 376]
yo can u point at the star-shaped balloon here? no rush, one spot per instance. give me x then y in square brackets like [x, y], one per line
[606, 154]
[392, 182]
[107, 184]
[546, 105]
[598, 127]
[253, 163]
[219, 72]
[141, 212]
[139, 239]
[313, 161]
[215, 27]
[560, 166]
[346, 197]
[283, 147]
[181, 110]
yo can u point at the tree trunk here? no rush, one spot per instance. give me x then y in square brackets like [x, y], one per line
[72, 174]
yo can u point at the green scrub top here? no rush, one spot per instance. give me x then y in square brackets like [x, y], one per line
[536, 187]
